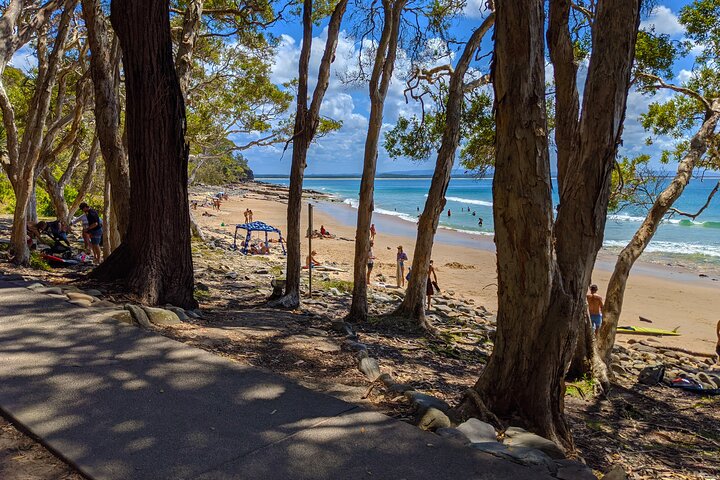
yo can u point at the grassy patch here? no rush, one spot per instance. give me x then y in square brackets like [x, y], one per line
[583, 388]
[343, 286]
[201, 295]
[39, 263]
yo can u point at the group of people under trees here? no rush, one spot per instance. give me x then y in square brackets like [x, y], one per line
[57, 230]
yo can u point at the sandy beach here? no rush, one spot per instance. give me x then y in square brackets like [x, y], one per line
[669, 296]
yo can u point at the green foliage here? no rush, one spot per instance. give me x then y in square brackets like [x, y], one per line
[700, 19]
[343, 286]
[38, 263]
[654, 54]
[583, 388]
[627, 178]
[419, 138]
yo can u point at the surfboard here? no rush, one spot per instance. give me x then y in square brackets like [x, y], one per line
[646, 331]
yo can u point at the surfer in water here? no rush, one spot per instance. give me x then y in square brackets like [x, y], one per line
[595, 306]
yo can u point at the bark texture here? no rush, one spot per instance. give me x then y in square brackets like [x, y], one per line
[380, 78]
[626, 259]
[541, 289]
[154, 258]
[307, 120]
[412, 305]
[104, 63]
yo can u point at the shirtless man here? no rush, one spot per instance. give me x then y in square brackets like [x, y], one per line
[595, 306]
[717, 346]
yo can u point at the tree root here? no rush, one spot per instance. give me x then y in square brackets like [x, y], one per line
[484, 413]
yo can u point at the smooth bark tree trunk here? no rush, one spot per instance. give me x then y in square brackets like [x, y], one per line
[615, 293]
[155, 258]
[306, 123]
[541, 296]
[103, 69]
[379, 82]
[107, 217]
[32, 214]
[413, 306]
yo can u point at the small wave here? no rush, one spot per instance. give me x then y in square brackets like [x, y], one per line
[468, 201]
[471, 232]
[681, 248]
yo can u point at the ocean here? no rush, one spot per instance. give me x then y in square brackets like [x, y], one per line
[679, 240]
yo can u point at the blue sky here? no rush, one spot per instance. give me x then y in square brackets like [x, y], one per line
[342, 151]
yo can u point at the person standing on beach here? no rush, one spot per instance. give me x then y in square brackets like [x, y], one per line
[250, 215]
[595, 306]
[371, 261]
[246, 215]
[372, 233]
[401, 259]
[717, 345]
[431, 282]
[94, 231]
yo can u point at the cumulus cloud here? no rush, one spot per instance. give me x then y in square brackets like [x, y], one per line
[663, 20]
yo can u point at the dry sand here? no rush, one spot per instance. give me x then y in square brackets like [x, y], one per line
[669, 296]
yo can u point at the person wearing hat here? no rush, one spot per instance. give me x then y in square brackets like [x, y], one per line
[93, 230]
[400, 271]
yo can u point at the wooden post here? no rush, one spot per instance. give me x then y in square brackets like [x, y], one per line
[310, 234]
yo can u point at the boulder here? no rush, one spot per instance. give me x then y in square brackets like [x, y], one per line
[48, 290]
[370, 368]
[161, 317]
[453, 434]
[432, 419]
[615, 473]
[518, 437]
[573, 470]
[477, 431]
[35, 286]
[423, 401]
[533, 457]
[182, 316]
[139, 315]
[123, 316]
[79, 296]
[80, 302]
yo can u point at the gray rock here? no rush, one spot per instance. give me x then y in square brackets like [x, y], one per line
[123, 316]
[103, 304]
[161, 317]
[646, 348]
[93, 292]
[493, 448]
[344, 328]
[518, 437]
[327, 347]
[432, 419]
[453, 434]
[573, 470]
[533, 457]
[80, 302]
[13, 277]
[651, 375]
[615, 473]
[335, 291]
[354, 346]
[139, 315]
[316, 332]
[202, 287]
[370, 368]
[58, 296]
[231, 275]
[79, 296]
[423, 401]
[191, 314]
[182, 316]
[477, 431]
[48, 290]
[35, 286]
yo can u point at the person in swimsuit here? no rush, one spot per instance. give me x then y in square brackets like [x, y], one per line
[429, 288]
[372, 232]
[595, 306]
[371, 261]
[401, 259]
[717, 346]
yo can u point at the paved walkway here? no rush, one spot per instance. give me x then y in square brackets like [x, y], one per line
[119, 402]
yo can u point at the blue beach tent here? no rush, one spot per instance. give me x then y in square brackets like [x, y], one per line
[256, 227]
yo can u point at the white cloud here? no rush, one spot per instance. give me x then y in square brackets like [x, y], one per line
[663, 20]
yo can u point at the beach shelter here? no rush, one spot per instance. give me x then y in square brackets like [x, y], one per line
[256, 227]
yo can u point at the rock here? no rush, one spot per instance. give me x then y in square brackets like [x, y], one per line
[103, 304]
[123, 316]
[202, 287]
[48, 290]
[443, 308]
[327, 347]
[191, 314]
[261, 271]
[58, 296]
[477, 431]
[618, 369]
[139, 315]
[231, 275]
[335, 291]
[316, 332]
[80, 302]
[453, 434]
[533, 457]
[182, 316]
[651, 375]
[161, 317]
[646, 348]
[354, 346]
[615, 473]
[344, 328]
[432, 419]
[518, 437]
[573, 470]
[93, 292]
[493, 448]
[79, 296]
[423, 401]
[35, 286]
[370, 368]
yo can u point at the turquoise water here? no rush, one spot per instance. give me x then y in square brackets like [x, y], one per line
[678, 240]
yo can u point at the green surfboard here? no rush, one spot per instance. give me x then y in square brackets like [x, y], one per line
[647, 331]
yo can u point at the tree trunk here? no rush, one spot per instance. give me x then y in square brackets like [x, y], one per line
[541, 296]
[31, 214]
[186, 47]
[108, 245]
[155, 258]
[626, 259]
[412, 305]
[18, 237]
[306, 123]
[103, 69]
[379, 82]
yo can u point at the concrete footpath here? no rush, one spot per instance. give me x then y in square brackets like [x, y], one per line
[119, 402]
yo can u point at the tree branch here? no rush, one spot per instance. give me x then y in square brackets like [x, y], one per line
[702, 209]
[686, 91]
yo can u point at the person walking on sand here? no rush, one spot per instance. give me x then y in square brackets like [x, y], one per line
[371, 261]
[431, 283]
[372, 232]
[595, 306]
[401, 259]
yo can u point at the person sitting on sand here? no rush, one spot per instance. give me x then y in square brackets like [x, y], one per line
[595, 306]
[401, 259]
[430, 287]
[371, 261]
[324, 233]
[311, 262]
